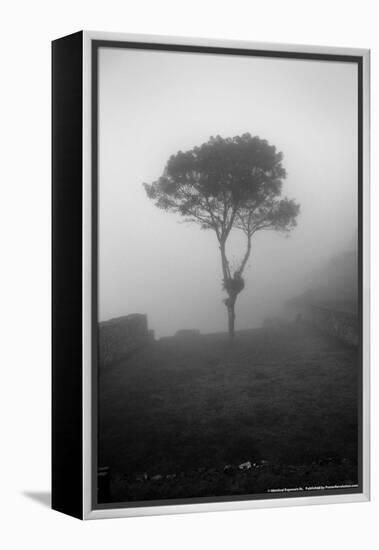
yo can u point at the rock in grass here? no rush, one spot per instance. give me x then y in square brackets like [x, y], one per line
[142, 477]
[158, 477]
[245, 465]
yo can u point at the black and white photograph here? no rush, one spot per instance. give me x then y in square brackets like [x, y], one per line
[189, 260]
[228, 282]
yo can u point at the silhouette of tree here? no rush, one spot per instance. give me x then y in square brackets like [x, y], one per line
[225, 184]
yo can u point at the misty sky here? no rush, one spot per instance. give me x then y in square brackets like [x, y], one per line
[152, 104]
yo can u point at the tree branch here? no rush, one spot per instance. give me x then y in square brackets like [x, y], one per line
[224, 262]
[239, 271]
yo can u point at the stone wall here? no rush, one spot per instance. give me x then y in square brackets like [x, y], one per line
[340, 322]
[121, 336]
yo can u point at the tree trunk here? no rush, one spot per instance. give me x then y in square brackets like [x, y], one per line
[231, 319]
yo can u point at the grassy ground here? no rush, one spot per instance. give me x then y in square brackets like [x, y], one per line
[286, 396]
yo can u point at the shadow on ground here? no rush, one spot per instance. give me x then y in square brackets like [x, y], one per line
[41, 497]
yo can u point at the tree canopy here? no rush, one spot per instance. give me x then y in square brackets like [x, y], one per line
[225, 183]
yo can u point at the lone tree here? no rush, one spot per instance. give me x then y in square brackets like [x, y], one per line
[225, 184]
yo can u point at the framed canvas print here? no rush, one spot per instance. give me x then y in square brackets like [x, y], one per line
[210, 275]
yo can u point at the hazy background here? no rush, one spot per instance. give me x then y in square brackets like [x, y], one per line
[152, 104]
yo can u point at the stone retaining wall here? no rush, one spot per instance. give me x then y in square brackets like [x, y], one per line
[332, 320]
[342, 324]
[121, 336]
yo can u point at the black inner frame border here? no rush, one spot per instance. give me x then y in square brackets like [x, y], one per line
[230, 51]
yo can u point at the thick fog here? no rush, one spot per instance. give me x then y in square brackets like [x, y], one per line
[153, 104]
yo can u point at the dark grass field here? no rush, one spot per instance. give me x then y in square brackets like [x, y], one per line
[283, 398]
